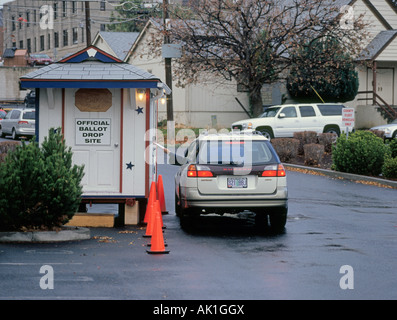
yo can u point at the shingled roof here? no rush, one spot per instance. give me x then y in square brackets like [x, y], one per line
[377, 45]
[90, 68]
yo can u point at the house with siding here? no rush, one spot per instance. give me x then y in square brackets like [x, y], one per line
[215, 102]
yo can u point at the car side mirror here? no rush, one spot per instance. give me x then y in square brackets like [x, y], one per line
[281, 115]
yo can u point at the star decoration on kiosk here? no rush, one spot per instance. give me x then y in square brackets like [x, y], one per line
[139, 110]
[129, 165]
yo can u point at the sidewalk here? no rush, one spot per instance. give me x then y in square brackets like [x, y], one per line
[343, 175]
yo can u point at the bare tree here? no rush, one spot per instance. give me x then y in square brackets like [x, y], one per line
[255, 42]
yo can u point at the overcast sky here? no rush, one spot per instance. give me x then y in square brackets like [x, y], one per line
[2, 2]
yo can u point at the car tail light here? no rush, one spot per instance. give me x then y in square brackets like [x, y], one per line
[194, 171]
[23, 122]
[274, 171]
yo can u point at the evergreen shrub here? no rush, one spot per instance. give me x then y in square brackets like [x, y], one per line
[362, 153]
[389, 168]
[40, 187]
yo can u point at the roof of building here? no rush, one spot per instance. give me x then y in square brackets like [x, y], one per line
[377, 45]
[9, 53]
[120, 42]
[90, 68]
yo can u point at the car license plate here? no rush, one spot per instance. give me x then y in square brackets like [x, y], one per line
[237, 182]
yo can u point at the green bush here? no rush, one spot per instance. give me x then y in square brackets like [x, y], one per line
[393, 147]
[362, 153]
[389, 168]
[40, 187]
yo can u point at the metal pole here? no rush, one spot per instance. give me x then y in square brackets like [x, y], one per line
[374, 84]
[87, 23]
[168, 67]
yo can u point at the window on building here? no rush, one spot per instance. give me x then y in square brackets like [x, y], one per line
[20, 19]
[35, 44]
[48, 42]
[21, 44]
[41, 43]
[64, 8]
[55, 11]
[65, 38]
[56, 40]
[75, 35]
[34, 16]
[29, 45]
[103, 5]
[27, 19]
[13, 27]
[74, 7]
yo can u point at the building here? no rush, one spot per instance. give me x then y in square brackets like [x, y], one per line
[56, 28]
[117, 44]
[1, 35]
[106, 109]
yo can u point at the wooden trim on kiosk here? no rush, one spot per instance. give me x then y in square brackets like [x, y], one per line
[147, 143]
[121, 137]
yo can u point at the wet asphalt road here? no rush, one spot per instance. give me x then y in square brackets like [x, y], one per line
[331, 223]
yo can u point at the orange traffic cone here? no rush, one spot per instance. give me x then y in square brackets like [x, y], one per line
[160, 195]
[157, 245]
[150, 204]
[150, 211]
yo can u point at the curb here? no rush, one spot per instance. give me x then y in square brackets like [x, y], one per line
[68, 234]
[343, 175]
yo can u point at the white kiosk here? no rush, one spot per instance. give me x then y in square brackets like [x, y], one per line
[105, 108]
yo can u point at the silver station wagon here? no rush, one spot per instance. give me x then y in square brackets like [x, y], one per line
[230, 173]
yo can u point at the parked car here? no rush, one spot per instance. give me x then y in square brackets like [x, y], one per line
[3, 114]
[39, 59]
[390, 129]
[18, 122]
[230, 173]
[284, 120]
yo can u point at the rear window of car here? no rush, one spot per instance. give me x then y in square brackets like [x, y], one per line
[330, 109]
[235, 152]
[29, 115]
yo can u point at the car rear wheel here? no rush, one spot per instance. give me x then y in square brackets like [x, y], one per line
[278, 218]
[14, 134]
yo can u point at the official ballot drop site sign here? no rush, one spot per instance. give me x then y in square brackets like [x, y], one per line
[93, 132]
[348, 117]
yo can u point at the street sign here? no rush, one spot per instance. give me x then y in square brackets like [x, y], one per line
[348, 118]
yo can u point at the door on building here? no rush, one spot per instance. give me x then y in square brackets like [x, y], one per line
[384, 83]
[92, 129]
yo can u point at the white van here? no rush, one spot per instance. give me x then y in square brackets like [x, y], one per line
[284, 120]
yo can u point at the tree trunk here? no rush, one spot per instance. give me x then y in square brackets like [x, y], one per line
[256, 105]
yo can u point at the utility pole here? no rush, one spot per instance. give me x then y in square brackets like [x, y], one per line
[88, 23]
[168, 68]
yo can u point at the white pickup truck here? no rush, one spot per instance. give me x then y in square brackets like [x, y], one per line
[284, 120]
